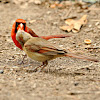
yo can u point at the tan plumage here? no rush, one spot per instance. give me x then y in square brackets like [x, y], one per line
[42, 50]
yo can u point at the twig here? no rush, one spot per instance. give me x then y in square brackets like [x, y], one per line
[69, 11]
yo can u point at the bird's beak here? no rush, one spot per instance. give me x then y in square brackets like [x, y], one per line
[21, 26]
[20, 30]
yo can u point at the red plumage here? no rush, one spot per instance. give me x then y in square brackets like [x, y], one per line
[28, 30]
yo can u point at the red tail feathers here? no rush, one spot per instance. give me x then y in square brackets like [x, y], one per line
[82, 57]
[55, 36]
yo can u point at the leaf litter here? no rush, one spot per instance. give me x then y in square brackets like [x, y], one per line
[74, 25]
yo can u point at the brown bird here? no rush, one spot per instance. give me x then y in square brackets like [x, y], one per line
[42, 50]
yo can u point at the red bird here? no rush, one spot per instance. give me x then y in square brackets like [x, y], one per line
[15, 28]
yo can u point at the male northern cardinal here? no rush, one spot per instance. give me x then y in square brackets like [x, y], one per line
[42, 50]
[15, 28]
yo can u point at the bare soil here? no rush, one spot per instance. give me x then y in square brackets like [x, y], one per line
[64, 78]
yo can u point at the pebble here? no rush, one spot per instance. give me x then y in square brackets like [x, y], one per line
[32, 21]
[1, 71]
[90, 25]
[15, 67]
[60, 45]
[37, 2]
[17, 1]
[76, 84]
[48, 12]
[97, 23]
[25, 73]
[55, 23]
[19, 79]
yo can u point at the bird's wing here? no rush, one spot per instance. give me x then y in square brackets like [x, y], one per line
[30, 31]
[42, 46]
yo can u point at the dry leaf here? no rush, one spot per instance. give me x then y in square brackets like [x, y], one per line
[74, 25]
[70, 21]
[77, 27]
[78, 24]
[83, 20]
[67, 28]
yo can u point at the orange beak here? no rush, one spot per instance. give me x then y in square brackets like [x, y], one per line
[20, 26]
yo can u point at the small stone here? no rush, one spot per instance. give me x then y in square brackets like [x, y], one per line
[48, 12]
[17, 53]
[60, 45]
[15, 48]
[25, 73]
[11, 69]
[9, 40]
[97, 23]
[37, 2]
[17, 1]
[90, 25]
[19, 79]
[32, 21]
[55, 23]
[1, 71]
[76, 84]
[15, 67]
[25, 5]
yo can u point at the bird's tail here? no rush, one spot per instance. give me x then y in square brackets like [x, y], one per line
[55, 36]
[82, 57]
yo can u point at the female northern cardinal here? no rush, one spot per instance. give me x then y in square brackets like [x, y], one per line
[15, 28]
[42, 50]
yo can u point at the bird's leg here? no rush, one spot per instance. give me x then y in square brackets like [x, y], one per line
[22, 62]
[44, 65]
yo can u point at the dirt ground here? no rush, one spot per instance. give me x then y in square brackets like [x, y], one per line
[64, 78]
